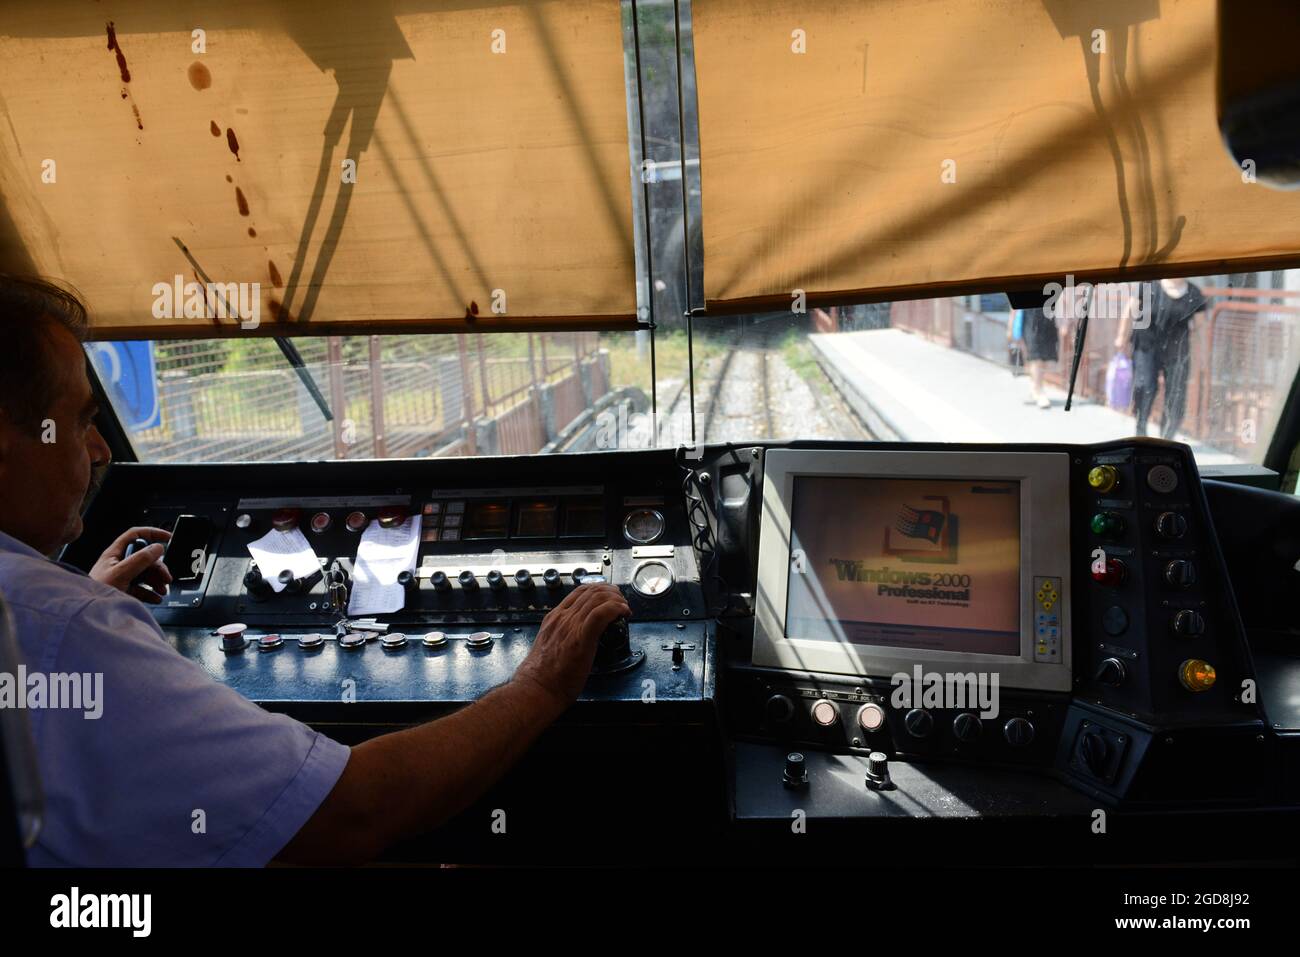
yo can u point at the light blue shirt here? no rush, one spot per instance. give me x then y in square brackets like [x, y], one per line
[177, 769]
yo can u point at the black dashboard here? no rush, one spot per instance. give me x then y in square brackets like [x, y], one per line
[1179, 706]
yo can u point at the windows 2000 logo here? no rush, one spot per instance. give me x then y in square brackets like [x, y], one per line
[927, 534]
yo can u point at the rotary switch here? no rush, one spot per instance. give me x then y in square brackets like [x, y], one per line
[1187, 623]
[524, 579]
[467, 580]
[496, 581]
[967, 727]
[919, 723]
[551, 577]
[440, 581]
[1019, 732]
[1180, 573]
[1111, 672]
[1170, 525]
[1094, 749]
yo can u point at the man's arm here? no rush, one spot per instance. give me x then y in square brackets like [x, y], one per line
[409, 782]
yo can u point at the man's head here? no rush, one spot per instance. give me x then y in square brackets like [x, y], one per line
[48, 440]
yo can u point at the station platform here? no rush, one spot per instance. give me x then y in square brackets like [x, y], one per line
[909, 389]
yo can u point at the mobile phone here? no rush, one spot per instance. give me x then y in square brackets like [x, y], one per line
[186, 555]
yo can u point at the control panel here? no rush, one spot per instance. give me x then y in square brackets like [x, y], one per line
[1166, 642]
[426, 585]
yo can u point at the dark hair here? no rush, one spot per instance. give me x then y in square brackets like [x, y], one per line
[29, 306]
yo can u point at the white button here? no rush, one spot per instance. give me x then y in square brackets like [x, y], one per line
[825, 713]
[871, 717]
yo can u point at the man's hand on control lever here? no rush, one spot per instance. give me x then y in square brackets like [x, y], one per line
[121, 571]
[565, 647]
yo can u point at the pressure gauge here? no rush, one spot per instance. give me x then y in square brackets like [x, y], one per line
[652, 579]
[643, 526]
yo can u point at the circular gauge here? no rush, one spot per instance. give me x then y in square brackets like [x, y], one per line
[643, 526]
[652, 579]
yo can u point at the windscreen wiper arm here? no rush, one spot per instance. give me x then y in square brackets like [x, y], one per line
[288, 348]
[295, 359]
[1080, 333]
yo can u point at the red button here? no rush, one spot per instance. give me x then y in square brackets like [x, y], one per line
[1113, 574]
[390, 516]
[286, 519]
[356, 521]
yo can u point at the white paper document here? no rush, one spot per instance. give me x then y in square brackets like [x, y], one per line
[276, 550]
[382, 555]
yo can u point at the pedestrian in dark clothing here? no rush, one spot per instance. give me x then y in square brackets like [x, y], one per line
[1161, 340]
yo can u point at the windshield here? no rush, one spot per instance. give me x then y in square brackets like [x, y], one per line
[957, 369]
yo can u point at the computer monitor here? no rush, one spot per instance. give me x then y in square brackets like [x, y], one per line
[874, 562]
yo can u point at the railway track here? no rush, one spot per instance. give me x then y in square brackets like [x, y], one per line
[751, 393]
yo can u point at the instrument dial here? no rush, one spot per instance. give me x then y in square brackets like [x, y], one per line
[652, 579]
[643, 526]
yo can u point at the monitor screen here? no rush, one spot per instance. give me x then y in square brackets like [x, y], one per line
[908, 563]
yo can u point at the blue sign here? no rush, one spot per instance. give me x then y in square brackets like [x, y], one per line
[130, 378]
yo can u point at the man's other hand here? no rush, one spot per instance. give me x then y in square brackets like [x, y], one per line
[120, 572]
[561, 656]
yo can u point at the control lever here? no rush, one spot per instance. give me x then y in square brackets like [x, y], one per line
[338, 589]
[614, 652]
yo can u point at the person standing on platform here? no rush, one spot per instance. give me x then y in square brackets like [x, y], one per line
[1161, 347]
[1039, 334]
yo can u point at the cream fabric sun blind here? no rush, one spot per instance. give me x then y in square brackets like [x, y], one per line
[918, 145]
[489, 142]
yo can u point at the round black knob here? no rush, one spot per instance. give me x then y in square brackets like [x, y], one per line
[796, 772]
[878, 771]
[966, 726]
[778, 709]
[1180, 573]
[552, 578]
[496, 581]
[578, 574]
[1171, 525]
[406, 578]
[1187, 623]
[1111, 672]
[440, 581]
[919, 723]
[289, 581]
[467, 580]
[524, 578]
[1019, 732]
[1095, 751]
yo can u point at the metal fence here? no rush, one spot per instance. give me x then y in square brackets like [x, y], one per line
[389, 396]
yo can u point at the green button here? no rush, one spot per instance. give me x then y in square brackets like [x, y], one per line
[1107, 523]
